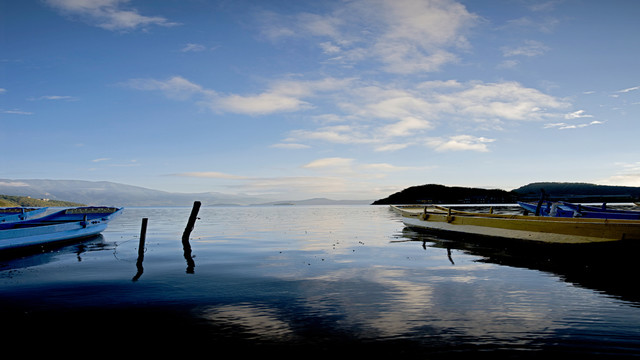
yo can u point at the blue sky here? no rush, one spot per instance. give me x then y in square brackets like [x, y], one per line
[345, 99]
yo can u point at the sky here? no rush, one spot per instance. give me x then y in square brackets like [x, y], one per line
[343, 99]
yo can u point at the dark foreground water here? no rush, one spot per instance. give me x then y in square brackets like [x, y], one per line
[314, 281]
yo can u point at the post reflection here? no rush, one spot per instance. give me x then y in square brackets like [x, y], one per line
[139, 266]
[143, 235]
[186, 246]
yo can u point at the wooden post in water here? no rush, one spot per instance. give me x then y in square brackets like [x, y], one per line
[143, 236]
[192, 221]
[185, 237]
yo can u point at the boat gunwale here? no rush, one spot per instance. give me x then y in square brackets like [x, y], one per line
[409, 210]
[523, 227]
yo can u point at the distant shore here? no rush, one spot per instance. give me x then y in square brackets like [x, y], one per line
[573, 192]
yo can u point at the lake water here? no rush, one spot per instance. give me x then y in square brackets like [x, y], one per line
[327, 280]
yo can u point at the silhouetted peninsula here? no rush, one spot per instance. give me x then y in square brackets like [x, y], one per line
[575, 192]
[440, 194]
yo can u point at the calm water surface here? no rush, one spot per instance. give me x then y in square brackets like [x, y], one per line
[301, 281]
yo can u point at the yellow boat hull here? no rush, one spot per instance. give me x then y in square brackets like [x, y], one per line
[523, 227]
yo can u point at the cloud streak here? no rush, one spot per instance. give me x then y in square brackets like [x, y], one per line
[460, 143]
[565, 126]
[107, 14]
[282, 96]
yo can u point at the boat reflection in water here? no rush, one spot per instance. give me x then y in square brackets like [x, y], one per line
[605, 267]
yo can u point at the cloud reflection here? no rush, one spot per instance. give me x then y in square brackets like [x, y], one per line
[257, 321]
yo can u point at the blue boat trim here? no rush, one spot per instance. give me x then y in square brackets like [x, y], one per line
[63, 225]
[566, 209]
[13, 214]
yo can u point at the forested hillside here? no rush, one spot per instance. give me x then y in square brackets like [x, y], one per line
[11, 201]
[440, 194]
[576, 192]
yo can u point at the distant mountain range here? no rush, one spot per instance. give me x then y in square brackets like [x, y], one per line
[115, 194]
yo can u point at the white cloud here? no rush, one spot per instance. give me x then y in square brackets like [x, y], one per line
[577, 114]
[259, 104]
[190, 47]
[349, 167]
[388, 117]
[392, 118]
[405, 36]
[291, 146]
[460, 143]
[392, 147]
[342, 134]
[406, 127]
[628, 175]
[210, 174]
[330, 48]
[530, 48]
[282, 96]
[505, 100]
[508, 64]
[298, 187]
[58, 97]
[622, 180]
[383, 167]
[175, 87]
[335, 162]
[107, 14]
[17, 112]
[542, 5]
[629, 89]
[543, 24]
[565, 126]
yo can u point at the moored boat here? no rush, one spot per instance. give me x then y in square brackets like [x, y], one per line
[566, 230]
[604, 210]
[12, 214]
[566, 209]
[63, 225]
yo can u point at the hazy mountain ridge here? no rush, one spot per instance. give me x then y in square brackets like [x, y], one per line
[116, 194]
[113, 194]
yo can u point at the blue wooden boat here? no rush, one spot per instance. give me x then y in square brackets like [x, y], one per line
[565, 209]
[63, 225]
[13, 214]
